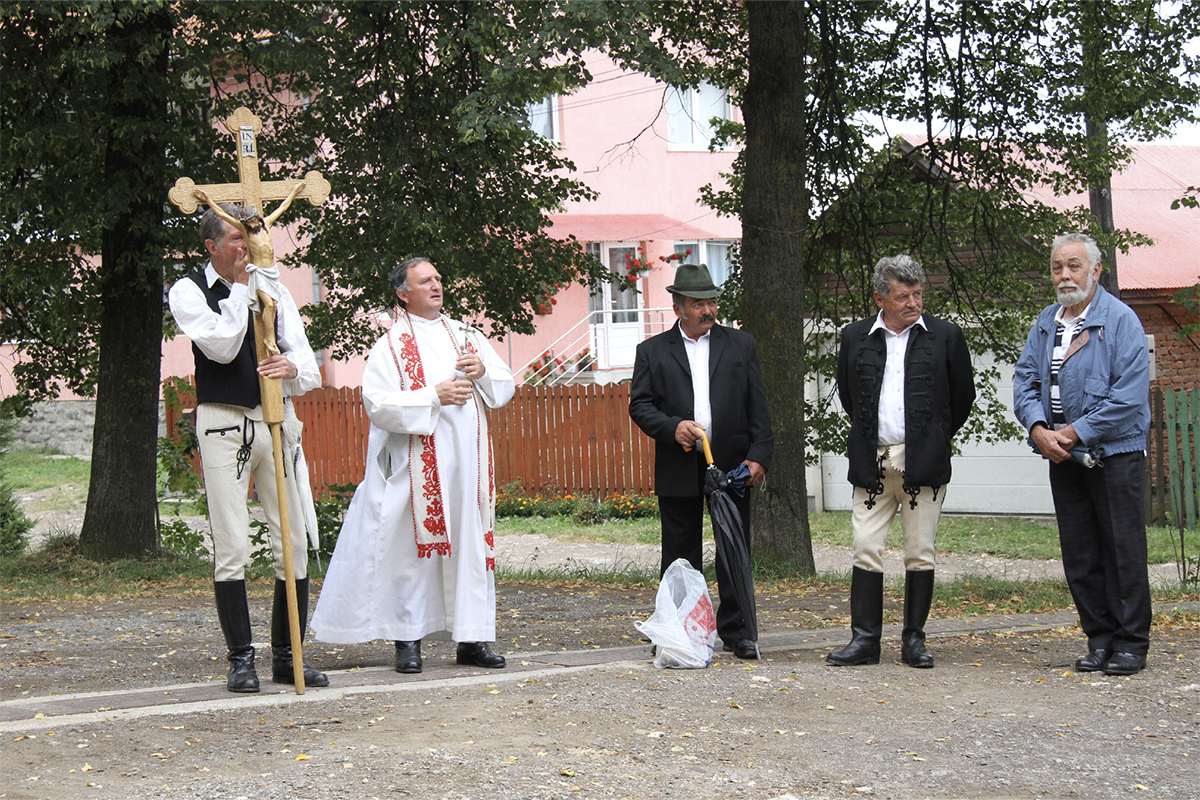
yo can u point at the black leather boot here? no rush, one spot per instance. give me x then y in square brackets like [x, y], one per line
[866, 621]
[918, 596]
[281, 636]
[233, 612]
[478, 654]
[408, 657]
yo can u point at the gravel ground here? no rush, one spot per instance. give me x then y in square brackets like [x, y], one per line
[998, 717]
[1002, 715]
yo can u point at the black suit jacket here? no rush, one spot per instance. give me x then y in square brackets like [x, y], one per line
[661, 398]
[939, 389]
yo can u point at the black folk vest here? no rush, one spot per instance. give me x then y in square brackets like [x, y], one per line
[235, 383]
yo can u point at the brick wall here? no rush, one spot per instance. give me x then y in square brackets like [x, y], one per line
[1177, 361]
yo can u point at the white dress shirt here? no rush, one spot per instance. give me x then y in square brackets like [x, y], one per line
[697, 354]
[891, 392]
[219, 336]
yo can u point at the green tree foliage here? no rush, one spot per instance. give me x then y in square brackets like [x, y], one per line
[14, 525]
[1001, 89]
[415, 110]
[87, 137]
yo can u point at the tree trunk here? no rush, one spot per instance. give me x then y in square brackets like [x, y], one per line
[120, 521]
[1096, 128]
[1100, 200]
[774, 218]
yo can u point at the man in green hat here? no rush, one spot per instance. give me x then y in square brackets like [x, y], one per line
[701, 377]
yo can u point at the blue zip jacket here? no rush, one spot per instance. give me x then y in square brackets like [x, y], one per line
[1104, 384]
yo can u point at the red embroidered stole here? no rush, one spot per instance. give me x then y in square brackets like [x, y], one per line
[428, 505]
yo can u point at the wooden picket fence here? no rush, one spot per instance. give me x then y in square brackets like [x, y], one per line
[579, 439]
[575, 439]
[335, 436]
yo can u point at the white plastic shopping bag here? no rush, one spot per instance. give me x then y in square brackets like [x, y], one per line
[683, 626]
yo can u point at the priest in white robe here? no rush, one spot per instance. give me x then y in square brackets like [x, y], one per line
[415, 556]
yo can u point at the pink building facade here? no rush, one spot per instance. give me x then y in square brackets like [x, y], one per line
[644, 149]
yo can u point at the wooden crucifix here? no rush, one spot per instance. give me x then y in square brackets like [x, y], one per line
[250, 192]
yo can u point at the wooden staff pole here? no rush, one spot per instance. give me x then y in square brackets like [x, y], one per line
[271, 390]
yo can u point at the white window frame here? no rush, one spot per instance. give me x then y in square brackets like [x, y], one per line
[685, 111]
[700, 254]
[549, 109]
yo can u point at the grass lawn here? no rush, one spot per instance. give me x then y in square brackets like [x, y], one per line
[1005, 537]
[58, 572]
[32, 470]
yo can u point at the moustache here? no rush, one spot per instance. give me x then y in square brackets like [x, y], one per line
[1067, 287]
[707, 318]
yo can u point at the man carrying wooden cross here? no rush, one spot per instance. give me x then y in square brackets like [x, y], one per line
[213, 309]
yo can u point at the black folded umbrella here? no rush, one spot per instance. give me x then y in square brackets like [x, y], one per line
[730, 534]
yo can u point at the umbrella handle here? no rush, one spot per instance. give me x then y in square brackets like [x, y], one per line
[707, 450]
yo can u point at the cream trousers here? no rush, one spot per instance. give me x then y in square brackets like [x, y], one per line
[874, 511]
[223, 431]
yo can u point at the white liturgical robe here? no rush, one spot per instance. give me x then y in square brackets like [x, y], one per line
[414, 556]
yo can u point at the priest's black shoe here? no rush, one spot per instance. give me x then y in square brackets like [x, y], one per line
[283, 670]
[1094, 661]
[1124, 664]
[478, 654]
[408, 657]
[742, 648]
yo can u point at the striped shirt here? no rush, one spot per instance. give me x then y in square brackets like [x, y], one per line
[1064, 332]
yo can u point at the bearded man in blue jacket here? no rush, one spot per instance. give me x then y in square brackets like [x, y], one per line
[1082, 390]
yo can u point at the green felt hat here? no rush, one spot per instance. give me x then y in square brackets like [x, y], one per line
[694, 281]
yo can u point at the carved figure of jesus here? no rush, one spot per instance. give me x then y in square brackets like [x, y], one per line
[255, 228]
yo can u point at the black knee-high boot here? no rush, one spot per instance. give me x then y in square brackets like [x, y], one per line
[281, 636]
[233, 612]
[866, 620]
[918, 596]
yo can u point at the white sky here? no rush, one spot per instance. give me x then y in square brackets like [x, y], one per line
[1188, 135]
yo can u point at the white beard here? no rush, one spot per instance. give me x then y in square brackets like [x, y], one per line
[1073, 297]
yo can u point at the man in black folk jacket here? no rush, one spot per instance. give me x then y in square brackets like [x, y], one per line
[906, 381]
[700, 376]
